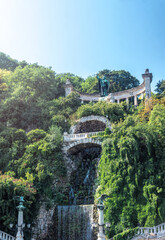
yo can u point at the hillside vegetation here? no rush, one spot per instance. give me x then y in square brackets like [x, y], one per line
[33, 116]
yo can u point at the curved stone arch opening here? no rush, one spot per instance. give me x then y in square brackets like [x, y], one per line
[91, 123]
[84, 156]
[82, 144]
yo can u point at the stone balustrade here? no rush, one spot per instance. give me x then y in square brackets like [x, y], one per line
[156, 230]
[77, 137]
[5, 236]
[150, 232]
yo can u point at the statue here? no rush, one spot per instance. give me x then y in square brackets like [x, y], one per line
[103, 86]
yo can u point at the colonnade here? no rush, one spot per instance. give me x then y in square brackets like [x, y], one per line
[144, 88]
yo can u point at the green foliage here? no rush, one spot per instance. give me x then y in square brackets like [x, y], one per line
[7, 63]
[126, 235]
[36, 135]
[33, 115]
[42, 158]
[30, 92]
[119, 80]
[113, 111]
[12, 146]
[131, 172]
[160, 88]
[90, 85]
[9, 188]
[75, 80]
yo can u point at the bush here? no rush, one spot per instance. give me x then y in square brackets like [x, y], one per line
[126, 235]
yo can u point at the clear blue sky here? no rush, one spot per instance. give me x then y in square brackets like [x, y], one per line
[85, 36]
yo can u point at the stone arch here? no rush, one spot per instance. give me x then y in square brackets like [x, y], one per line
[83, 143]
[91, 123]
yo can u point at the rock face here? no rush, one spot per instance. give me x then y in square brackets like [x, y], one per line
[90, 126]
[43, 222]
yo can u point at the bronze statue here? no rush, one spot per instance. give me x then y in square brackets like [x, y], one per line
[103, 86]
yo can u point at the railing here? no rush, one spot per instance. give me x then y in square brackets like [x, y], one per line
[76, 137]
[156, 230]
[5, 236]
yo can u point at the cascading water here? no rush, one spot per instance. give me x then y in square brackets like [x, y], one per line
[75, 222]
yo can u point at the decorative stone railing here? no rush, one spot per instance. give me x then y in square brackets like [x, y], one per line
[79, 136]
[157, 231]
[5, 236]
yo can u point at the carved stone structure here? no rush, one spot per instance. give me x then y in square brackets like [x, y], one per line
[68, 88]
[145, 87]
[89, 119]
[156, 232]
[83, 143]
[80, 138]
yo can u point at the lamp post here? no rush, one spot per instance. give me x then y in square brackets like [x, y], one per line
[21, 225]
[100, 224]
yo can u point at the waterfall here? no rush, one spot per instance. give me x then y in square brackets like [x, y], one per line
[75, 222]
[86, 179]
[71, 196]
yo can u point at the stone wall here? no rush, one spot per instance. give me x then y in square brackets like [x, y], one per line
[43, 222]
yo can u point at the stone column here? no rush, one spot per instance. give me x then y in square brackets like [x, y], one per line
[147, 80]
[20, 235]
[112, 99]
[135, 100]
[68, 87]
[101, 235]
[118, 100]
[20, 225]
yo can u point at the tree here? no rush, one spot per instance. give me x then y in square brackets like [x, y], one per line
[9, 188]
[131, 172]
[119, 81]
[7, 63]
[160, 88]
[30, 89]
[75, 80]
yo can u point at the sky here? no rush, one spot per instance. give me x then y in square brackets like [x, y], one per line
[85, 36]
